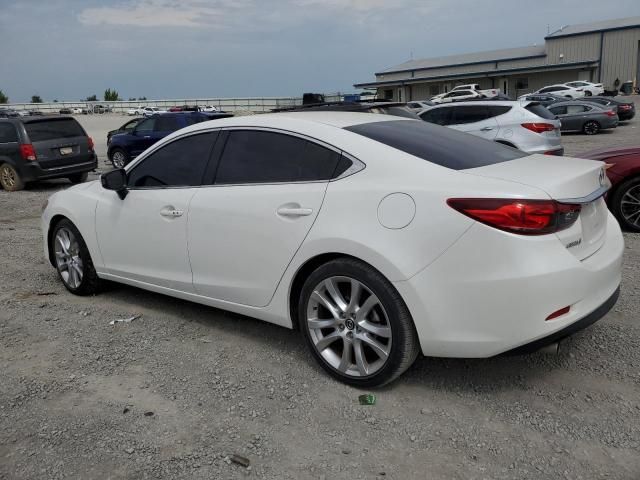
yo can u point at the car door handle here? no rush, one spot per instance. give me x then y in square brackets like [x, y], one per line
[294, 211]
[171, 212]
[147, 136]
[486, 129]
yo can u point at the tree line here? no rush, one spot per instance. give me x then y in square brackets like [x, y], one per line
[109, 96]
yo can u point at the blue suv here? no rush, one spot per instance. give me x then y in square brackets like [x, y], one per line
[124, 147]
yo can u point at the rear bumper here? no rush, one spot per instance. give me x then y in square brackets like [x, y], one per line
[490, 292]
[33, 170]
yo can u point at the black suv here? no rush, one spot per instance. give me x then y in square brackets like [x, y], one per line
[43, 147]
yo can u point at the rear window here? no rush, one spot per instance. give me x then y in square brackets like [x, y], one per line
[53, 129]
[541, 111]
[440, 145]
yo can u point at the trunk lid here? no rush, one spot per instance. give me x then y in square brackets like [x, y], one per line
[565, 179]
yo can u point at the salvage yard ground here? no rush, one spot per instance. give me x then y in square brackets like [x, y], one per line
[179, 390]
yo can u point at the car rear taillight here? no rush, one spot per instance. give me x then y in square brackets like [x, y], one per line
[90, 142]
[539, 127]
[524, 217]
[27, 152]
[610, 113]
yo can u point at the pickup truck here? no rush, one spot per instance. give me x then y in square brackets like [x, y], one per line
[465, 92]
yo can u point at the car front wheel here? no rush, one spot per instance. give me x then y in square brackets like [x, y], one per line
[625, 204]
[356, 324]
[587, 93]
[72, 259]
[79, 177]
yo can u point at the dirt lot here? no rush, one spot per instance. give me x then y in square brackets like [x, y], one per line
[176, 392]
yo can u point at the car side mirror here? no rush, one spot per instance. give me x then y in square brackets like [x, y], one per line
[115, 180]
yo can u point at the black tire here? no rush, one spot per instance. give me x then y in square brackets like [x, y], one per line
[623, 213]
[78, 177]
[10, 178]
[90, 283]
[587, 93]
[404, 339]
[591, 127]
[115, 155]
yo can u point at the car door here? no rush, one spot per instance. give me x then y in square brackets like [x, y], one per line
[246, 227]
[474, 119]
[143, 237]
[141, 137]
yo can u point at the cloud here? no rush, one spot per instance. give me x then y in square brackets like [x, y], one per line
[247, 14]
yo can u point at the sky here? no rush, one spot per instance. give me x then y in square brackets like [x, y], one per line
[70, 49]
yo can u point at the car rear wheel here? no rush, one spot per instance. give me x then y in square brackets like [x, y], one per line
[356, 324]
[591, 127]
[79, 177]
[72, 260]
[625, 204]
[119, 158]
[587, 93]
[10, 178]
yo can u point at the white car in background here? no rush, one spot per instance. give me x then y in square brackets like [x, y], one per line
[563, 91]
[208, 108]
[590, 89]
[417, 105]
[148, 111]
[135, 111]
[300, 224]
[527, 126]
[456, 95]
[487, 93]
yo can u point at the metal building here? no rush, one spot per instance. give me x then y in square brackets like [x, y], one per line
[606, 52]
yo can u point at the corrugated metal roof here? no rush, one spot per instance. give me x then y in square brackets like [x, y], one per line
[467, 58]
[596, 27]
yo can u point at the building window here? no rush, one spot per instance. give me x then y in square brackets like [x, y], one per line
[434, 89]
[522, 83]
[387, 94]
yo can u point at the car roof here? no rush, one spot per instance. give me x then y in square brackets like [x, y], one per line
[576, 102]
[506, 103]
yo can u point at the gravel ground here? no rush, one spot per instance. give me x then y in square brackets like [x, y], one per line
[178, 391]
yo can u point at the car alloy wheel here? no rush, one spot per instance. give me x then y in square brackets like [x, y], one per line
[67, 255]
[630, 207]
[348, 326]
[9, 178]
[591, 128]
[118, 159]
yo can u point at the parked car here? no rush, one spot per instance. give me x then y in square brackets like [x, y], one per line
[487, 93]
[125, 146]
[23, 113]
[8, 113]
[101, 109]
[65, 111]
[589, 88]
[625, 110]
[527, 126]
[623, 170]
[563, 91]
[544, 99]
[276, 217]
[135, 110]
[127, 127]
[79, 111]
[209, 108]
[456, 95]
[584, 117]
[33, 148]
[148, 111]
[376, 106]
[417, 105]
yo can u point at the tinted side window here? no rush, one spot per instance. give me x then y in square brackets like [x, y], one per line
[469, 114]
[8, 133]
[181, 163]
[576, 109]
[495, 110]
[439, 116]
[443, 146]
[168, 123]
[146, 125]
[562, 110]
[252, 156]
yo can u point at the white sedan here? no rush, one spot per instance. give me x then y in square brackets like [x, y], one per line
[588, 88]
[378, 237]
[563, 91]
